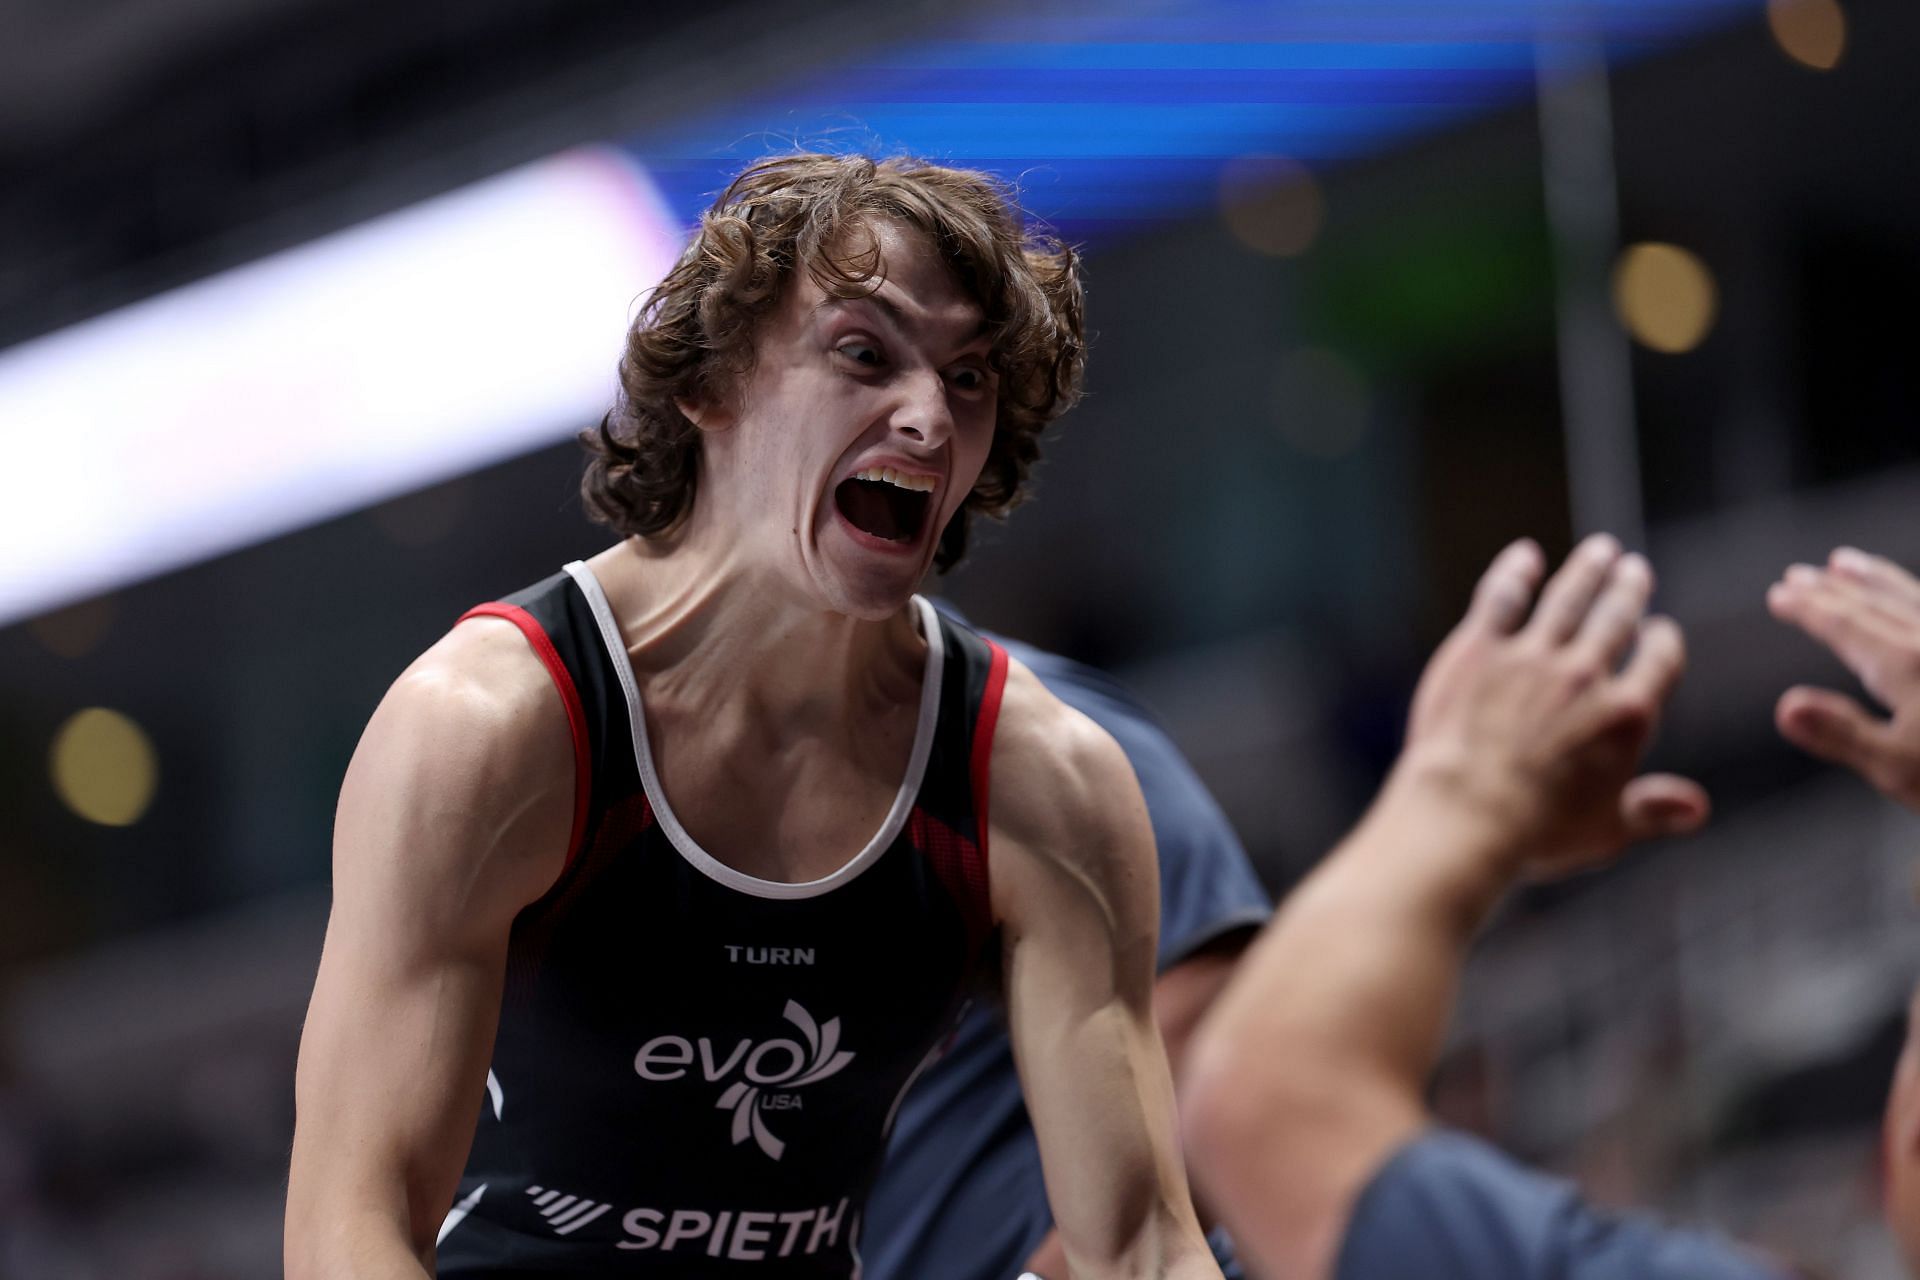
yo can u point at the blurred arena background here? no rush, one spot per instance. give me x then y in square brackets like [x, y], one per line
[301, 303]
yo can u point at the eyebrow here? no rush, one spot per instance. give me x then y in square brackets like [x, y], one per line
[894, 313]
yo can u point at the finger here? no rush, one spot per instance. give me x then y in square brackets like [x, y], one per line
[1655, 668]
[1896, 587]
[1663, 804]
[1505, 590]
[1834, 727]
[1874, 600]
[1570, 592]
[1615, 617]
[1841, 617]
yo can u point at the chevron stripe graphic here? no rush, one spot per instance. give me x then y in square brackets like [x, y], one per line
[564, 1213]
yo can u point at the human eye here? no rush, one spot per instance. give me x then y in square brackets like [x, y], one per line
[970, 377]
[862, 352]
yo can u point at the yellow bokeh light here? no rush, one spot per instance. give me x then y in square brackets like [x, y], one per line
[1811, 32]
[104, 767]
[1665, 296]
[1271, 204]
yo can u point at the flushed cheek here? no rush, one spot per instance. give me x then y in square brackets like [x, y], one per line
[972, 443]
[981, 426]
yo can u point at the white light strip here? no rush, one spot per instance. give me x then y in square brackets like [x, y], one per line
[403, 351]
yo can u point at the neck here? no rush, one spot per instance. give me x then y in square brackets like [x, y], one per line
[707, 627]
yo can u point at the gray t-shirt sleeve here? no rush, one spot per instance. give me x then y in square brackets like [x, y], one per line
[1450, 1207]
[1208, 889]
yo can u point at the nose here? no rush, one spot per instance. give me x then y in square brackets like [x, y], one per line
[923, 414]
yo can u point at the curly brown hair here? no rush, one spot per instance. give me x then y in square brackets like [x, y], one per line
[693, 338]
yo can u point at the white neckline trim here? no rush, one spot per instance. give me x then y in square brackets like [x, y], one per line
[699, 858]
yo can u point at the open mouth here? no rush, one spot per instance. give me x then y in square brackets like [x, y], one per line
[884, 503]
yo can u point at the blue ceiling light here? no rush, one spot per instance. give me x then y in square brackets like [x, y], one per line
[1112, 115]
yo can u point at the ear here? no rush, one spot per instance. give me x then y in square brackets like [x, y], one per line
[704, 413]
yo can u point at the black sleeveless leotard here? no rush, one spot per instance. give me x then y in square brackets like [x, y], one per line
[696, 1070]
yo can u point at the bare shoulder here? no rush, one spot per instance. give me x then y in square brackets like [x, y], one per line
[455, 813]
[465, 774]
[1065, 799]
[483, 670]
[1056, 763]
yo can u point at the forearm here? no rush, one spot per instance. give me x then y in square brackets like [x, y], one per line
[1311, 1068]
[1181, 998]
[1077, 897]
[1522, 746]
[350, 1244]
[1167, 1247]
[368, 1184]
[1359, 975]
[1102, 1104]
[1108, 1143]
[378, 1142]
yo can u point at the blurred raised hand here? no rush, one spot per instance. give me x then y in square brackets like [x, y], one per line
[1866, 609]
[1537, 715]
[1522, 759]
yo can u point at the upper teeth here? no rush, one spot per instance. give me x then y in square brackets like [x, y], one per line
[902, 479]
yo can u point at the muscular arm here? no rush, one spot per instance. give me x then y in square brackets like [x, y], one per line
[454, 814]
[1180, 999]
[1520, 759]
[1075, 890]
[1330, 1040]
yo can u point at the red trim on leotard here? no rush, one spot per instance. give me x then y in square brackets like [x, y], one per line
[957, 861]
[980, 767]
[569, 697]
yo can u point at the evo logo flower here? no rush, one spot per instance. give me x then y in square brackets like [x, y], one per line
[820, 1061]
[768, 1072]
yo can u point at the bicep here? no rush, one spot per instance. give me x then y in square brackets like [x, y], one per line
[449, 822]
[1096, 1084]
[392, 1070]
[1078, 902]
